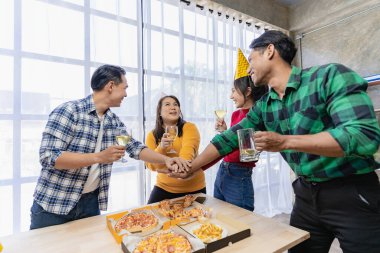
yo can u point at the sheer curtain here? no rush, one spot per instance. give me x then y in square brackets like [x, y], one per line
[191, 53]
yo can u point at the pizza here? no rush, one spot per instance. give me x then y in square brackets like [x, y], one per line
[176, 209]
[167, 242]
[136, 222]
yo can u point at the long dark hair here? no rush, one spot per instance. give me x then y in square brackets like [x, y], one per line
[159, 129]
[242, 85]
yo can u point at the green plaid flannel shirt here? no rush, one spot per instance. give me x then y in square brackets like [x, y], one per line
[328, 98]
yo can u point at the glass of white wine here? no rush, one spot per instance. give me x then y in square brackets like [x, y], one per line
[220, 114]
[172, 132]
[123, 137]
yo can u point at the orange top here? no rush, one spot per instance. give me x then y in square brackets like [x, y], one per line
[186, 147]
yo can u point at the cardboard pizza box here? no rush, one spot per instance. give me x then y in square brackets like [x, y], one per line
[236, 231]
[129, 243]
[112, 218]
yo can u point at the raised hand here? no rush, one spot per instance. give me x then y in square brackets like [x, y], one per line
[269, 141]
[166, 141]
[111, 154]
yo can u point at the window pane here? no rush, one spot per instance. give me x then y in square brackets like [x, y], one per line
[201, 26]
[189, 22]
[6, 24]
[171, 46]
[220, 32]
[27, 191]
[156, 51]
[52, 30]
[6, 84]
[45, 85]
[113, 42]
[6, 147]
[123, 8]
[249, 37]
[198, 59]
[124, 190]
[6, 217]
[171, 17]
[199, 107]
[31, 134]
[155, 13]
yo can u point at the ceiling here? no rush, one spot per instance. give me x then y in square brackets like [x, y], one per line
[290, 3]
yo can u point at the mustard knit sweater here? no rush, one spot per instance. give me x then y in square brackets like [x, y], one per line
[186, 147]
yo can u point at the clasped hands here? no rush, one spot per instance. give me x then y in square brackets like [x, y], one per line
[177, 167]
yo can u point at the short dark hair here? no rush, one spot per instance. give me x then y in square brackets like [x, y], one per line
[282, 43]
[159, 130]
[105, 74]
[257, 92]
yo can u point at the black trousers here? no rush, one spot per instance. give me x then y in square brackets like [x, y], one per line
[159, 194]
[346, 208]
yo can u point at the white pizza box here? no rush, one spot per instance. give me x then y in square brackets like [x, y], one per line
[129, 243]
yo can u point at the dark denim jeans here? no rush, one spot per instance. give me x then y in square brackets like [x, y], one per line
[233, 184]
[86, 207]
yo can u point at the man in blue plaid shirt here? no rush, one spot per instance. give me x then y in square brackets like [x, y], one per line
[323, 123]
[77, 152]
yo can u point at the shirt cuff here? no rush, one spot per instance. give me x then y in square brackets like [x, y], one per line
[343, 139]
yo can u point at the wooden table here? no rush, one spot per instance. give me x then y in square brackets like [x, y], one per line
[92, 235]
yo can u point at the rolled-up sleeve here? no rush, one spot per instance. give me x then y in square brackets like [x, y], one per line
[350, 108]
[134, 148]
[58, 133]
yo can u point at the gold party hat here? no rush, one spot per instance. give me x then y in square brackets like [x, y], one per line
[241, 66]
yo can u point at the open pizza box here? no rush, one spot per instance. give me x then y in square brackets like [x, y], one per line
[233, 231]
[118, 235]
[129, 243]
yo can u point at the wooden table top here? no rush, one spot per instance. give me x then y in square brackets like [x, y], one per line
[92, 235]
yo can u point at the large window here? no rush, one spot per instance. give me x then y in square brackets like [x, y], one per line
[50, 48]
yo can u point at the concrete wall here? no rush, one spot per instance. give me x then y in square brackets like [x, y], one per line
[268, 11]
[353, 42]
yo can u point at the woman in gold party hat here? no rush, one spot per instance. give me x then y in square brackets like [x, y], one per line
[233, 183]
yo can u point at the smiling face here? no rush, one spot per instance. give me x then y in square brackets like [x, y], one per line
[259, 66]
[119, 92]
[170, 111]
[237, 97]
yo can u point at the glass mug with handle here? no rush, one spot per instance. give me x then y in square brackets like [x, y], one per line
[172, 132]
[248, 152]
[123, 137]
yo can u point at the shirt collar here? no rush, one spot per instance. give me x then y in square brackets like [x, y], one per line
[293, 82]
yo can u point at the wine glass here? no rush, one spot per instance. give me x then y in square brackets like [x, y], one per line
[123, 137]
[172, 132]
[220, 113]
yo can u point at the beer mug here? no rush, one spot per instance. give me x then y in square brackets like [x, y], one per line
[248, 152]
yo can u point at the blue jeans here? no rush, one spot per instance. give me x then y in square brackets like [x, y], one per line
[233, 184]
[87, 206]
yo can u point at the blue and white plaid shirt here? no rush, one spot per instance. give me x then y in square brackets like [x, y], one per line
[74, 127]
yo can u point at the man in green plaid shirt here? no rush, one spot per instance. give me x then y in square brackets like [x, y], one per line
[323, 123]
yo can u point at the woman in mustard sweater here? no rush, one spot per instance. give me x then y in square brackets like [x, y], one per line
[186, 145]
